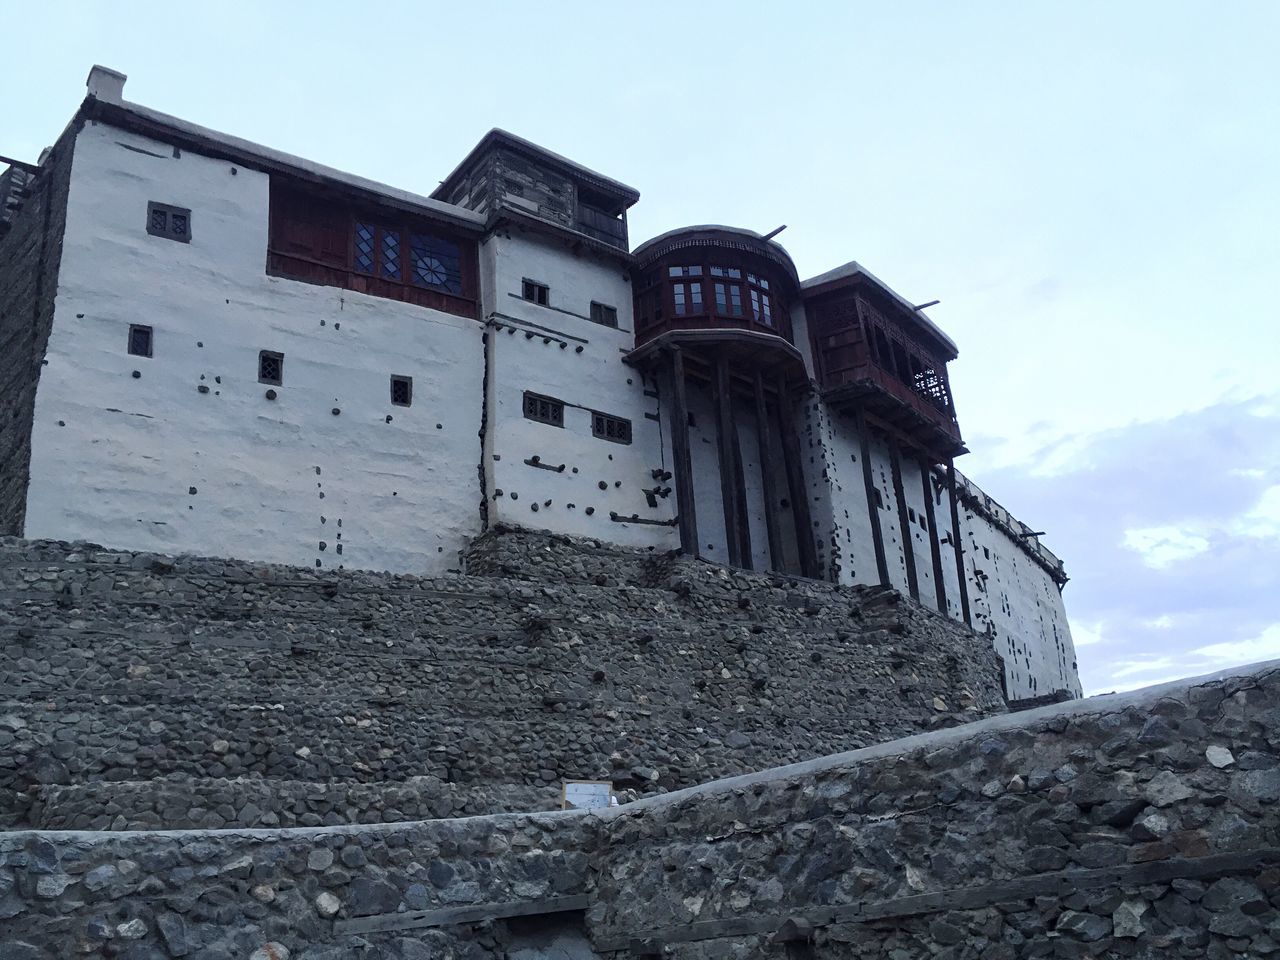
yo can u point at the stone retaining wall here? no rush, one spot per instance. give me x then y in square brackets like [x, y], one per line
[127, 669]
[1142, 825]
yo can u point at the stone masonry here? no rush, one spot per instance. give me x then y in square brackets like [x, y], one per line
[1141, 825]
[147, 692]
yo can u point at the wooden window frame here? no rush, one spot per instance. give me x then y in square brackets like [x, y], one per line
[533, 408]
[604, 314]
[312, 239]
[141, 328]
[407, 383]
[605, 426]
[535, 292]
[278, 359]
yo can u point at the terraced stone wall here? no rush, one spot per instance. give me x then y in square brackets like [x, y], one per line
[1144, 825]
[142, 691]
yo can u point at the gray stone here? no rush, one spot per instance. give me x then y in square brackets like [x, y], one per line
[133, 929]
[173, 931]
[1261, 785]
[327, 905]
[1220, 757]
[1086, 926]
[1166, 789]
[100, 877]
[1126, 919]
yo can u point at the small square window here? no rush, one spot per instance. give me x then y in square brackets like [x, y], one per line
[604, 314]
[270, 367]
[172, 223]
[544, 409]
[402, 391]
[535, 292]
[139, 340]
[606, 427]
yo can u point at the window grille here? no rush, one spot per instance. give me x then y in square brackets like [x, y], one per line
[270, 367]
[606, 427]
[402, 391]
[536, 292]
[604, 314]
[172, 223]
[139, 340]
[544, 409]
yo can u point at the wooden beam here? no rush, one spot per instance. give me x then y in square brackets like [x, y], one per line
[682, 464]
[904, 522]
[935, 548]
[795, 483]
[740, 493]
[957, 542]
[447, 916]
[724, 438]
[763, 439]
[868, 483]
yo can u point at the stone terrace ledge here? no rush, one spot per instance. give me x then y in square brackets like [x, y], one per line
[1146, 822]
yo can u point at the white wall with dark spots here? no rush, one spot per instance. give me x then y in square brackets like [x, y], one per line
[558, 352]
[190, 456]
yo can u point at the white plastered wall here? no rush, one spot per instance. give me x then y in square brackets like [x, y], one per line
[157, 463]
[558, 352]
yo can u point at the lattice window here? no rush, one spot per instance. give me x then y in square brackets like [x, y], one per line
[544, 409]
[604, 314]
[172, 223]
[606, 427]
[140, 340]
[691, 271]
[688, 298]
[435, 262]
[364, 248]
[402, 391]
[270, 367]
[390, 260]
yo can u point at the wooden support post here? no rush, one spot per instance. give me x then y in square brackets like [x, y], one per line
[795, 483]
[724, 437]
[744, 509]
[868, 482]
[935, 548]
[682, 465]
[763, 435]
[904, 521]
[957, 542]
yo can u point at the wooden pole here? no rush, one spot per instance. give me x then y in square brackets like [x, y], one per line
[904, 521]
[935, 548]
[763, 436]
[795, 483]
[682, 465]
[957, 542]
[868, 482]
[728, 486]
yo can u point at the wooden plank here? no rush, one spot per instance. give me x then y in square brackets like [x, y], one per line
[740, 496]
[935, 548]
[957, 542]
[724, 439]
[868, 483]
[446, 916]
[795, 483]
[764, 440]
[682, 464]
[904, 521]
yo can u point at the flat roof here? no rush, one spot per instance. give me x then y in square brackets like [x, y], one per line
[144, 120]
[499, 137]
[853, 269]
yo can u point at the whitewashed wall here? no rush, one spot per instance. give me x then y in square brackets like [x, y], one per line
[535, 348]
[1012, 598]
[152, 463]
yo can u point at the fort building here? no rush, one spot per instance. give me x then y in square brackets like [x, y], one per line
[214, 348]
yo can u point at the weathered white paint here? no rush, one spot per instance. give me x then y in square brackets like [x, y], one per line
[1012, 598]
[535, 348]
[401, 496]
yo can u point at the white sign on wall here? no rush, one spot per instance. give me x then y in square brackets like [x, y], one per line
[586, 794]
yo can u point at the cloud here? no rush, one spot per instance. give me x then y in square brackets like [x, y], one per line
[1161, 546]
[1170, 532]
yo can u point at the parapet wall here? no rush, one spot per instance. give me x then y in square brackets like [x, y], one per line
[1141, 825]
[142, 691]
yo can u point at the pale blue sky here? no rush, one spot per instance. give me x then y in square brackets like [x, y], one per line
[1089, 188]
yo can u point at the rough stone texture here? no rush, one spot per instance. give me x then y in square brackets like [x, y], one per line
[895, 851]
[264, 695]
[31, 233]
